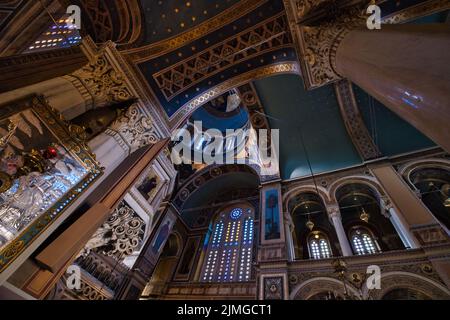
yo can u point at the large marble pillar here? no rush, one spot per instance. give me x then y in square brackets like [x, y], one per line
[336, 220]
[400, 224]
[289, 229]
[405, 67]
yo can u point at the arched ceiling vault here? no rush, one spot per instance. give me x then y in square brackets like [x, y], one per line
[187, 53]
[195, 63]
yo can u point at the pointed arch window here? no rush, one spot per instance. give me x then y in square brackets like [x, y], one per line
[230, 250]
[319, 246]
[363, 241]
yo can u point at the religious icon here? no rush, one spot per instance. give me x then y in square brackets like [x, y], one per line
[43, 169]
[162, 235]
[272, 225]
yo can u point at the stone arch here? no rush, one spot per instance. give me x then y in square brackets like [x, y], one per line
[432, 163]
[365, 180]
[120, 21]
[314, 286]
[183, 114]
[323, 194]
[175, 240]
[199, 179]
[406, 280]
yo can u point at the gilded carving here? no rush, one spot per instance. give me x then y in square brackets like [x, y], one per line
[354, 122]
[48, 167]
[133, 130]
[319, 44]
[266, 36]
[103, 82]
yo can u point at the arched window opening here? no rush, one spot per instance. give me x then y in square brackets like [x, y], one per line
[313, 236]
[363, 241]
[319, 246]
[434, 187]
[230, 250]
[369, 231]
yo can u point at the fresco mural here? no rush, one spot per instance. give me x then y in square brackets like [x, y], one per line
[162, 234]
[272, 216]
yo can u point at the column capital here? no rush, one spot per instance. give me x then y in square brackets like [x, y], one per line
[134, 129]
[102, 81]
[317, 43]
[386, 206]
[334, 212]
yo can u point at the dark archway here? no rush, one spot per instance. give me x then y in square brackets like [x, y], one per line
[434, 187]
[314, 236]
[368, 230]
[405, 294]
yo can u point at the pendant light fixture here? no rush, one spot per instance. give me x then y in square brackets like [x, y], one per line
[310, 224]
[364, 216]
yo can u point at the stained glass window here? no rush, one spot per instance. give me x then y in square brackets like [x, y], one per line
[319, 247]
[62, 34]
[363, 241]
[230, 250]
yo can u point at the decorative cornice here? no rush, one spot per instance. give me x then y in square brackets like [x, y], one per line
[179, 77]
[353, 121]
[279, 68]
[104, 83]
[420, 10]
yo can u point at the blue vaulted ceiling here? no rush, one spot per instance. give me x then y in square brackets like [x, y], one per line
[167, 18]
[313, 114]
[178, 76]
[293, 110]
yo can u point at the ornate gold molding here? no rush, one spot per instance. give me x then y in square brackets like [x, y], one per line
[102, 81]
[353, 121]
[133, 130]
[420, 10]
[185, 74]
[318, 47]
[279, 68]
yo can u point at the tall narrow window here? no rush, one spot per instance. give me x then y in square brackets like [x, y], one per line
[230, 249]
[319, 246]
[363, 241]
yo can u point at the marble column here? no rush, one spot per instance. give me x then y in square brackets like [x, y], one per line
[400, 224]
[405, 67]
[336, 220]
[289, 228]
